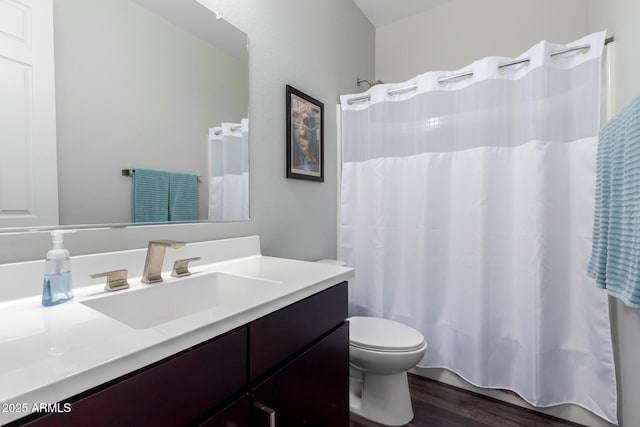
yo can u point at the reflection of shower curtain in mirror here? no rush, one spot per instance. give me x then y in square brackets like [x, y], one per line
[229, 171]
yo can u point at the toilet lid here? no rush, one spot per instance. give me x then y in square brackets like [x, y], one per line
[383, 334]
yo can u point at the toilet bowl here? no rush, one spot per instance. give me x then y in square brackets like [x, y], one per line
[381, 351]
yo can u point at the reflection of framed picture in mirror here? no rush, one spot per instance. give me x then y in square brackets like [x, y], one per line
[305, 136]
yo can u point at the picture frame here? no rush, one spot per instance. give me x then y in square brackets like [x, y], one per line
[305, 136]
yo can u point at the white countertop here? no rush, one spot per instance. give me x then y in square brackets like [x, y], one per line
[48, 354]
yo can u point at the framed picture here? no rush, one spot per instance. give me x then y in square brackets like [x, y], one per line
[305, 136]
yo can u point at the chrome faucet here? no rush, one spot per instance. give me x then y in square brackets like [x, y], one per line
[152, 272]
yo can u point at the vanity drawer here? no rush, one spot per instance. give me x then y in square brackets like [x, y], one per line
[278, 336]
[175, 391]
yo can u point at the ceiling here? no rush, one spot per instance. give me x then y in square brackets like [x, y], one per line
[384, 12]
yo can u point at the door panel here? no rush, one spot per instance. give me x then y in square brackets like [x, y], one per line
[28, 164]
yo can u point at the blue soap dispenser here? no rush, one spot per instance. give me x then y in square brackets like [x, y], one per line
[57, 286]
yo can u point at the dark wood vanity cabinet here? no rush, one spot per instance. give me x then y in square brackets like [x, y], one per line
[289, 368]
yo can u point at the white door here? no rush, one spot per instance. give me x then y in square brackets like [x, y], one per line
[28, 164]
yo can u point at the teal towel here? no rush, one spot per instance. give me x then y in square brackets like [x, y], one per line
[183, 197]
[615, 256]
[149, 196]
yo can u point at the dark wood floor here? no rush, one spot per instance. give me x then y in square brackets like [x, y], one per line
[440, 405]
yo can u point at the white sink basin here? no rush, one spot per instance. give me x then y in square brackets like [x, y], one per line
[215, 293]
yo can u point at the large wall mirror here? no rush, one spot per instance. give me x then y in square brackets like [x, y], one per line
[148, 84]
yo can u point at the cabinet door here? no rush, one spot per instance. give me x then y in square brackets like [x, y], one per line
[312, 390]
[234, 415]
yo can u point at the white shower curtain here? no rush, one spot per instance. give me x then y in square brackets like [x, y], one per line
[467, 211]
[229, 172]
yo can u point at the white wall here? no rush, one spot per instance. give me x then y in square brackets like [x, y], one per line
[452, 35]
[129, 98]
[317, 47]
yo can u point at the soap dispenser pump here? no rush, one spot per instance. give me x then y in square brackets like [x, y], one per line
[57, 286]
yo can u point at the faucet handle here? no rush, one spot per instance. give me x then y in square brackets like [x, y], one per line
[116, 279]
[181, 267]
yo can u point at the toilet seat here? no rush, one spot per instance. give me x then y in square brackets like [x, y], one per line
[383, 335]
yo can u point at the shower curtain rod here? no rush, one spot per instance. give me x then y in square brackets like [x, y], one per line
[468, 74]
[233, 129]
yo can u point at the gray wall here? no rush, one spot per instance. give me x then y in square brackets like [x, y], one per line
[127, 97]
[317, 47]
[620, 18]
[452, 35]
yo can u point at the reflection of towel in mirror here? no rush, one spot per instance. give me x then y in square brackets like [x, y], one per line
[183, 197]
[149, 196]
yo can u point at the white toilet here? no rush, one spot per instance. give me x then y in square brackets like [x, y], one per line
[381, 351]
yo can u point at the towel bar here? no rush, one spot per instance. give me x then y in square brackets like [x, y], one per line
[129, 172]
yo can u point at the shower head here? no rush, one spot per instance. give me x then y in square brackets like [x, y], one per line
[359, 80]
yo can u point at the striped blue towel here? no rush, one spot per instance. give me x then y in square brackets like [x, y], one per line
[149, 196]
[615, 256]
[183, 197]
